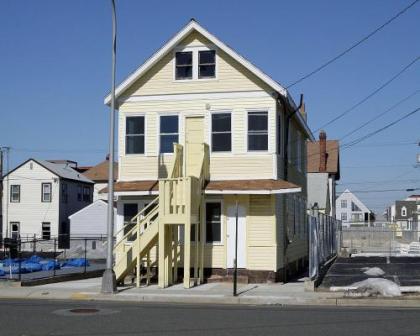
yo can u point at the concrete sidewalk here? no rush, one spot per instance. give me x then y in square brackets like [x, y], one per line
[214, 293]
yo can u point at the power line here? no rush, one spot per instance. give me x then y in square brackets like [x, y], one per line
[380, 115]
[365, 38]
[374, 191]
[356, 141]
[370, 95]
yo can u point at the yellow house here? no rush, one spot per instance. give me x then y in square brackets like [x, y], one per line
[202, 175]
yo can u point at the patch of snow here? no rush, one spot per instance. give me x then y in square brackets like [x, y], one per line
[373, 271]
[375, 286]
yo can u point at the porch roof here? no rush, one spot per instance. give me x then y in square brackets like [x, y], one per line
[266, 186]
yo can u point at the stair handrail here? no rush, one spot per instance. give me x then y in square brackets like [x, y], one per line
[141, 212]
[134, 228]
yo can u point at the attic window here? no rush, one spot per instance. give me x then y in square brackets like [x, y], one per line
[206, 64]
[184, 65]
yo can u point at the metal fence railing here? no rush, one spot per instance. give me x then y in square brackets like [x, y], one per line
[35, 258]
[389, 240]
[324, 241]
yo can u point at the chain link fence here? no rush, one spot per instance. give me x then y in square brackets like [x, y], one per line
[324, 241]
[387, 240]
[33, 258]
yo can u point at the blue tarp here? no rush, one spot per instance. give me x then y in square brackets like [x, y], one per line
[36, 264]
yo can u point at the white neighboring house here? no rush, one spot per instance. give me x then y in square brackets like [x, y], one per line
[99, 175]
[91, 221]
[351, 210]
[41, 197]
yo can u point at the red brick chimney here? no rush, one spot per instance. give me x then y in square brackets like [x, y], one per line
[322, 151]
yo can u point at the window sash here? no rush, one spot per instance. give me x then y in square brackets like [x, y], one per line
[210, 66]
[188, 67]
[46, 192]
[86, 194]
[256, 131]
[225, 135]
[46, 230]
[15, 193]
[135, 142]
[168, 134]
[214, 223]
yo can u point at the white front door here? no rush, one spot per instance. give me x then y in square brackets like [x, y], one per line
[231, 234]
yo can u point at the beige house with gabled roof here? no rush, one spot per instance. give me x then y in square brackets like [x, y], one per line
[202, 143]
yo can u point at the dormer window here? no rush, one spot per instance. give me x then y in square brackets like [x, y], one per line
[184, 65]
[195, 63]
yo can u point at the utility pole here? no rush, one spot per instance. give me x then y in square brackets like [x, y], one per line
[109, 283]
[235, 263]
[5, 190]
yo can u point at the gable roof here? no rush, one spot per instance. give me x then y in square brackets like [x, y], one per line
[354, 199]
[195, 26]
[59, 169]
[99, 173]
[333, 157]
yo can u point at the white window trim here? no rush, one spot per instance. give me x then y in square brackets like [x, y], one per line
[222, 221]
[134, 114]
[210, 142]
[258, 152]
[195, 50]
[164, 114]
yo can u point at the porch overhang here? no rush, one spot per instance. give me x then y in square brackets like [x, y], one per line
[134, 188]
[251, 187]
[225, 187]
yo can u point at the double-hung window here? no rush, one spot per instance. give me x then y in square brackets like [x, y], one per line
[168, 133]
[46, 230]
[184, 65]
[213, 222]
[258, 131]
[46, 192]
[134, 135]
[14, 193]
[86, 194]
[206, 64]
[221, 132]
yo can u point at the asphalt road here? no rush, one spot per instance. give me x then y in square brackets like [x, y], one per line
[41, 318]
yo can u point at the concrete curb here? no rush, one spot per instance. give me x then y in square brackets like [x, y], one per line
[252, 300]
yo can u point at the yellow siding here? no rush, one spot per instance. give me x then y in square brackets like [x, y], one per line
[238, 164]
[231, 76]
[261, 234]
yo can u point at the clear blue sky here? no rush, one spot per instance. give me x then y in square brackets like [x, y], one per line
[55, 70]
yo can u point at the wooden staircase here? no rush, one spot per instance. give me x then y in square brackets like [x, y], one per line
[180, 202]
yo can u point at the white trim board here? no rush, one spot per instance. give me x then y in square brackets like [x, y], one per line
[195, 96]
[253, 192]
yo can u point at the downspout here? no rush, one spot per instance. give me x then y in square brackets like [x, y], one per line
[282, 101]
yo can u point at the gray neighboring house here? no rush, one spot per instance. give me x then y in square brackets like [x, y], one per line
[41, 196]
[406, 216]
[323, 172]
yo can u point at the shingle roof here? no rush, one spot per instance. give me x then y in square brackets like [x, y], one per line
[63, 170]
[99, 173]
[333, 157]
[241, 186]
